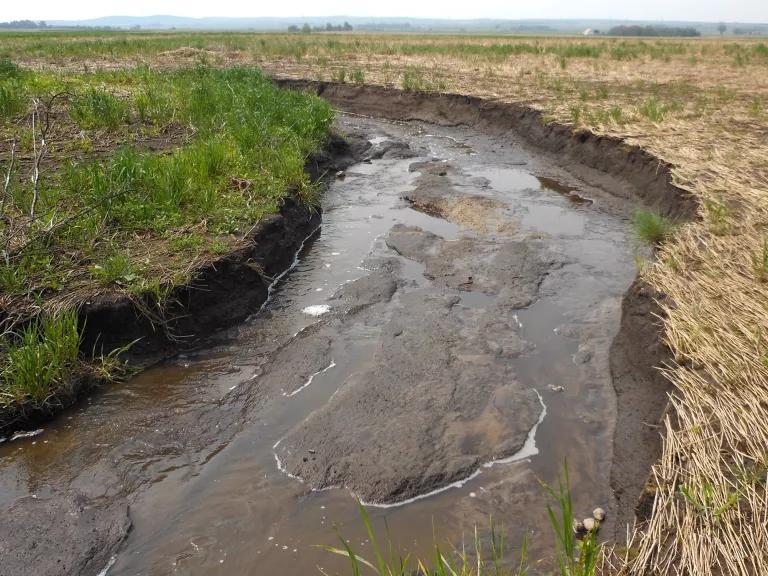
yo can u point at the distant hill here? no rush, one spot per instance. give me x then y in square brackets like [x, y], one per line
[539, 26]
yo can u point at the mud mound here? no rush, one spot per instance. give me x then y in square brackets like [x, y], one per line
[513, 270]
[68, 535]
[434, 194]
[436, 404]
[374, 288]
[391, 150]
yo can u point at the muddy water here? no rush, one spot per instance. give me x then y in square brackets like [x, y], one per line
[242, 457]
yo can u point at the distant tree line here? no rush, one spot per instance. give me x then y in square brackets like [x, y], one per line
[23, 24]
[750, 31]
[346, 27]
[635, 30]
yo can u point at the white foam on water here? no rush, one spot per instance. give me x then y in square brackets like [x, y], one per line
[280, 465]
[529, 449]
[29, 434]
[308, 382]
[109, 565]
[316, 310]
[271, 288]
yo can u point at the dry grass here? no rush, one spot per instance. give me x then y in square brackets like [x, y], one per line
[702, 106]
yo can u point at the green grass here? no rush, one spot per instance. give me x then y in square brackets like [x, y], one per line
[39, 361]
[652, 228]
[232, 123]
[98, 108]
[135, 190]
[574, 556]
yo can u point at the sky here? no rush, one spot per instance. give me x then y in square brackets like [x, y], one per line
[699, 10]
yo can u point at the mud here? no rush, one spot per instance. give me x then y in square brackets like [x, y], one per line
[434, 195]
[439, 400]
[637, 353]
[435, 368]
[66, 535]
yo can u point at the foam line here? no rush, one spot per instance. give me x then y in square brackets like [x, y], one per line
[308, 382]
[273, 284]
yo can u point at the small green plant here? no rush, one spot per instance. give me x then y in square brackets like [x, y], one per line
[652, 228]
[219, 247]
[116, 269]
[705, 499]
[756, 107]
[413, 79]
[39, 360]
[13, 99]
[358, 76]
[478, 562]
[8, 69]
[576, 557]
[576, 114]
[616, 115]
[653, 109]
[187, 242]
[339, 75]
[760, 263]
[718, 217]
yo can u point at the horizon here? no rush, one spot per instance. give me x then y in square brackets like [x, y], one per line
[395, 17]
[706, 11]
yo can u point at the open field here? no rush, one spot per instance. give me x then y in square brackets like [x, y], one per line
[700, 105]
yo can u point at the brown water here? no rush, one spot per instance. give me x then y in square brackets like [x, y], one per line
[190, 443]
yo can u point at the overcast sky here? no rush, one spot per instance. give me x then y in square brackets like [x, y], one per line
[703, 10]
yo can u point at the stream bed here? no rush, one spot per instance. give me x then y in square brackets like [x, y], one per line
[439, 349]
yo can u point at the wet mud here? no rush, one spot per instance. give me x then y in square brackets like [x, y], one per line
[441, 346]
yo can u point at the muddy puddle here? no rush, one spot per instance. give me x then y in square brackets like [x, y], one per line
[440, 347]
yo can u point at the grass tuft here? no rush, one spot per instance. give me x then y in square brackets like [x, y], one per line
[39, 360]
[652, 228]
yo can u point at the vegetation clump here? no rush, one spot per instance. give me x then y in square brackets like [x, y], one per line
[127, 182]
[652, 228]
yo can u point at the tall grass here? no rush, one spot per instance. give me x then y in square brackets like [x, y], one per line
[575, 556]
[39, 360]
[132, 217]
[239, 125]
[98, 108]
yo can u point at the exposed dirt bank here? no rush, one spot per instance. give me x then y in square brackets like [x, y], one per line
[222, 293]
[627, 172]
[635, 172]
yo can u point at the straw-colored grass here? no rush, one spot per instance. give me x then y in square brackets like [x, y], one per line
[698, 105]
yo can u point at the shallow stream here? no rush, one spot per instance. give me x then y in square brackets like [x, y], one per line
[440, 347]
